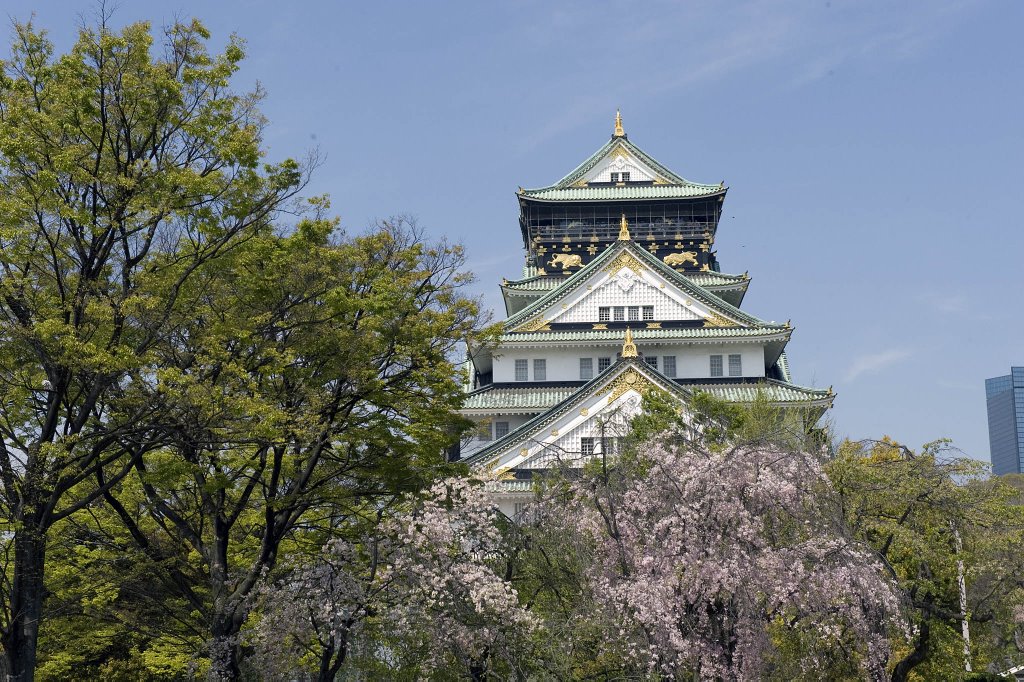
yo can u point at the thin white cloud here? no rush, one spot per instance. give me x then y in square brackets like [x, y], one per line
[952, 304]
[866, 364]
[710, 44]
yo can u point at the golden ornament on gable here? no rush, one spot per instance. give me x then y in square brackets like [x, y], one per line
[625, 260]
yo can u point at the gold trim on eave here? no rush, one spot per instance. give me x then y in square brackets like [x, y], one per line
[537, 324]
[716, 320]
[628, 347]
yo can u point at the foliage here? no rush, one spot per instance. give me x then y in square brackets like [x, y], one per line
[430, 589]
[912, 508]
[123, 169]
[309, 381]
[703, 555]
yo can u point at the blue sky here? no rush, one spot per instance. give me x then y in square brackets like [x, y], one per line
[873, 149]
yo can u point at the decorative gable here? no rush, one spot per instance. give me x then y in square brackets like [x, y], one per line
[622, 287]
[624, 295]
[587, 424]
[620, 165]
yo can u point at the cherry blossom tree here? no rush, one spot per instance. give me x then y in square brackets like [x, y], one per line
[427, 593]
[729, 563]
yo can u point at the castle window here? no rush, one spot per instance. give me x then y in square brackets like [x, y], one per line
[651, 360]
[615, 177]
[540, 370]
[716, 365]
[603, 364]
[500, 429]
[604, 314]
[648, 312]
[634, 312]
[483, 431]
[736, 365]
[620, 313]
[668, 365]
[522, 370]
[586, 446]
[586, 368]
[625, 176]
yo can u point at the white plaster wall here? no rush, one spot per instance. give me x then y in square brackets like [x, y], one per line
[630, 292]
[618, 164]
[563, 364]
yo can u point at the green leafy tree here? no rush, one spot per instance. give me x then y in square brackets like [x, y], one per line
[309, 386]
[933, 518]
[124, 168]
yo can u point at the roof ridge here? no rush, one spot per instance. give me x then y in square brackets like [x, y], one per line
[574, 175]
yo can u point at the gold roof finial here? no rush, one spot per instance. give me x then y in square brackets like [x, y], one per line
[624, 229]
[628, 347]
[619, 132]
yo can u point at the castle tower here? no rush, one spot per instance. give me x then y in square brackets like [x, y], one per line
[621, 294]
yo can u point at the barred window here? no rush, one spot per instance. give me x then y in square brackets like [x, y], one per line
[615, 177]
[522, 370]
[483, 431]
[651, 360]
[609, 445]
[625, 176]
[668, 365]
[586, 446]
[620, 313]
[716, 365]
[540, 370]
[603, 364]
[736, 365]
[586, 368]
[500, 429]
[648, 312]
[634, 312]
[604, 314]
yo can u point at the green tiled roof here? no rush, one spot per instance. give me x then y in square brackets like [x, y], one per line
[716, 279]
[774, 391]
[511, 485]
[538, 398]
[642, 334]
[622, 193]
[702, 279]
[676, 186]
[580, 276]
[516, 399]
[538, 283]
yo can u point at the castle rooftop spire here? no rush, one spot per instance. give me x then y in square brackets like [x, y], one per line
[628, 347]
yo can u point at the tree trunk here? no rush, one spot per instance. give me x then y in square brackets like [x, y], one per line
[902, 670]
[27, 593]
[224, 656]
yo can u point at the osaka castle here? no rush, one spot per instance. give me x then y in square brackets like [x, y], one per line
[622, 293]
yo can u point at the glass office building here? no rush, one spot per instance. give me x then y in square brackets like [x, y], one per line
[1005, 397]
